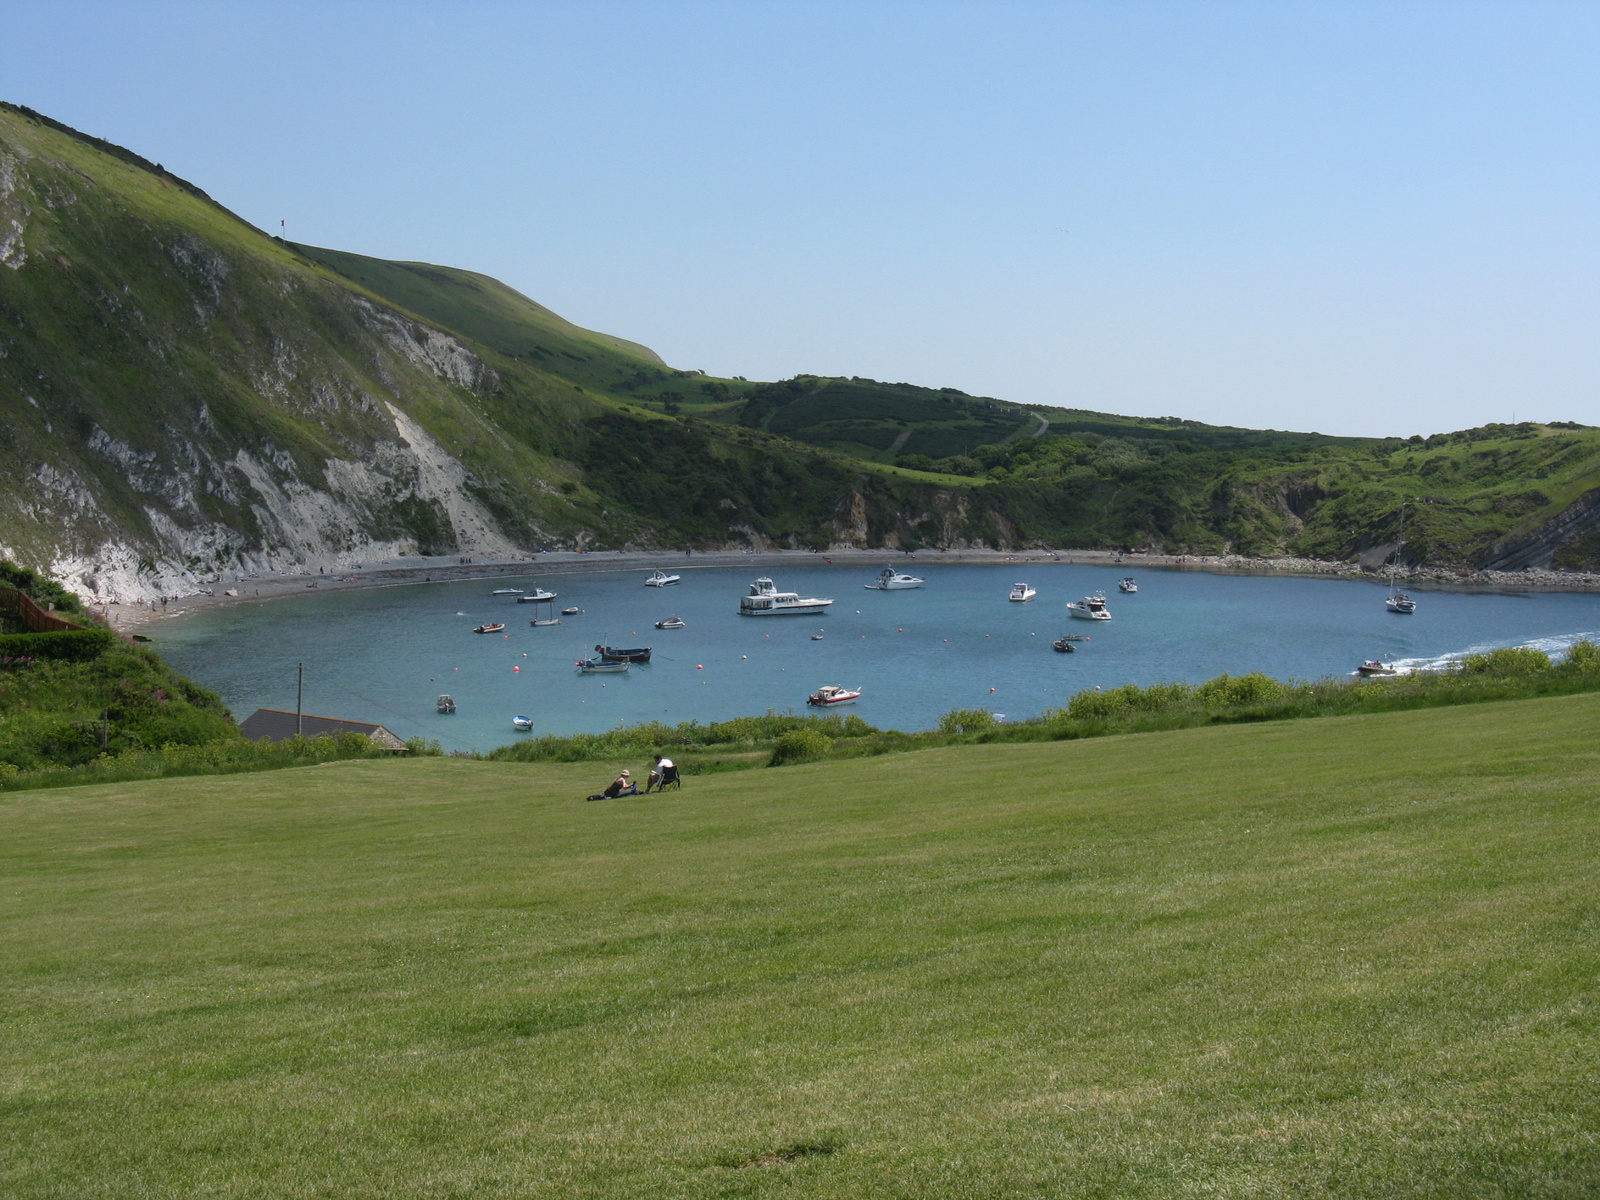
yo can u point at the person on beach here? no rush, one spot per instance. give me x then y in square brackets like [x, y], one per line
[658, 776]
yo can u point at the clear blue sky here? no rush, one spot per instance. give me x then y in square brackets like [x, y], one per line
[1356, 218]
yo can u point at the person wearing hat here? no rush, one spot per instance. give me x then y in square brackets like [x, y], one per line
[622, 783]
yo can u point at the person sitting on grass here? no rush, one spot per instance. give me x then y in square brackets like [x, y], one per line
[662, 774]
[622, 785]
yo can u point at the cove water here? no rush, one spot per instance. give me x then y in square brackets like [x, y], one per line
[385, 654]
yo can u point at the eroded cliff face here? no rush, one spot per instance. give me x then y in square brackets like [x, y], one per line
[1540, 548]
[181, 397]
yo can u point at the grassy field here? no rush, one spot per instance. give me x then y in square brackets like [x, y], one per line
[1349, 957]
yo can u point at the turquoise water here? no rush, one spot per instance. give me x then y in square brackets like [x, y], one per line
[384, 654]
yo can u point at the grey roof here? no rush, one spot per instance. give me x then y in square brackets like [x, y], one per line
[279, 725]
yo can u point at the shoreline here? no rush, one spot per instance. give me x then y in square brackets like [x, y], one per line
[128, 618]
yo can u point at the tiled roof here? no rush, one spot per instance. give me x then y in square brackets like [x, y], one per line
[279, 725]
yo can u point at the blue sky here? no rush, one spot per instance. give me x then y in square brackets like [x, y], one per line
[1354, 218]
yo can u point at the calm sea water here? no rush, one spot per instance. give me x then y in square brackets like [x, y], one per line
[384, 654]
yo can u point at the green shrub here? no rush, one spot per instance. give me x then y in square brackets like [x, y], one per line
[1583, 657]
[1129, 698]
[798, 745]
[967, 720]
[1227, 690]
[78, 645]
[1508, 660]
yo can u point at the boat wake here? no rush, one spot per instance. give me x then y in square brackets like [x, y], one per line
[1556, 647]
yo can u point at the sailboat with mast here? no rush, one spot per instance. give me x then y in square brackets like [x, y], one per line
[1398, 601]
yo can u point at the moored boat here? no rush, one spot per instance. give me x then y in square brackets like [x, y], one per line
[1127, 584]
[492, 627]
[1398, 601]
[671, 623]
[601, 666]
[765, 600]
[522, 724]
[829, 694]
[662, 579]
[1063, 645]
[506, 592]
[1021, 592]
[893, 581]
[638, 654]
[537, 596]
[446, 704]
[1090, 608]
[570, 612]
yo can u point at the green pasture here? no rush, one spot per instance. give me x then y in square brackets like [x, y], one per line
[1347, 957]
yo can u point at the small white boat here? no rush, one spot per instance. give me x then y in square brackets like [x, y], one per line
[893, 581]
[522, 724]
[671, 623]
[1022, 592]
[548, 617]
[601, 666]
[825, 696]
[662, 579]
[1127, 584]
[446, 704]
[537, 596]
[1401, 603]
[765, 600]
[817, 636]
[570, 612]
[1090, 608]
[1374, 667]
[506, 592]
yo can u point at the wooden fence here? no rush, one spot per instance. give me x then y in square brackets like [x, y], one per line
[35, 618]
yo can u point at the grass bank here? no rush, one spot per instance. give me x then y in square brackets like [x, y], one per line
[780, 739]
[1349, 958]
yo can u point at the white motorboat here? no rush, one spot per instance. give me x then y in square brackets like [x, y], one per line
[506, 592]
[1022, 592]
[893, 581]
[765, 600]
[662, 579]
[825, 696]
[446, 704]
[1090, 608]
[670, 623]
[1127, 584]
[522, 724]
[1374, 667]
[537, 596]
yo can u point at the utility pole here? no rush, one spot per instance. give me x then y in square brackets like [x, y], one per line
[299, 705]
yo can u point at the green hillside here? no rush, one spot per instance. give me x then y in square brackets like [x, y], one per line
[184, 397]
[495, 316]
[1352, 957]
